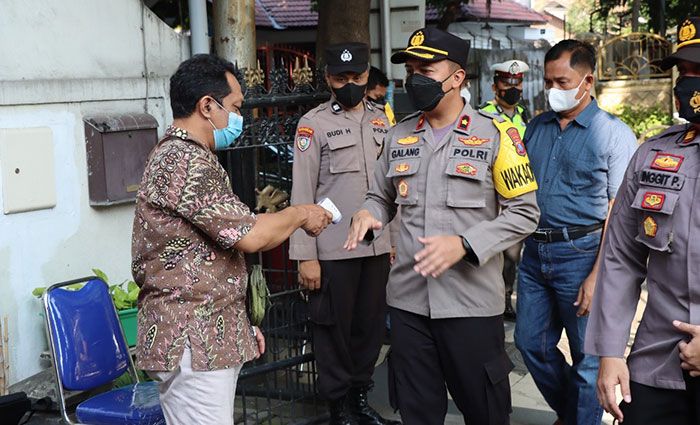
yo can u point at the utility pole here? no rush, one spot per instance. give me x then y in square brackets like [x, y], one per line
[635, 15]
[234, 31]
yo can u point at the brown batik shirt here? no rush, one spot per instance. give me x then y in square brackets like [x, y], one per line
[193, 283]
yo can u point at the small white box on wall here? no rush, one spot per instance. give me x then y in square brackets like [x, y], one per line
[27, 169]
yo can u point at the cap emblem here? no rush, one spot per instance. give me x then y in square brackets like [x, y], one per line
[346, 56]
[695, 102]
[417, 39]
[514, 68]
[687, 31]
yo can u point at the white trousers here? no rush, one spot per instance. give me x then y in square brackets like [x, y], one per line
[191, 397]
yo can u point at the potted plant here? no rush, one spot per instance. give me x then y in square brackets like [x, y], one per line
[124, 295]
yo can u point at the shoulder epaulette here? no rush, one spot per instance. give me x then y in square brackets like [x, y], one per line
[491, 115]
[411, 116]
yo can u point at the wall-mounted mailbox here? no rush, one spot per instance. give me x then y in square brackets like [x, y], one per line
[117, 149]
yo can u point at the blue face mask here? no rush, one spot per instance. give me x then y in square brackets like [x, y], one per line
[226, 137]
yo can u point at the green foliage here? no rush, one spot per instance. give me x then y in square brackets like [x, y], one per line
[644, 121]
[674, 12]
[125, 295]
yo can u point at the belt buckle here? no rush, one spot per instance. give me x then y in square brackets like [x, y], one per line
[548, 235]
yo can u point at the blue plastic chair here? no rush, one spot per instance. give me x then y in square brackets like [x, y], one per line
[89, 350]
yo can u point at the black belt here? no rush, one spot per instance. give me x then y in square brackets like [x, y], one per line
[558, 235]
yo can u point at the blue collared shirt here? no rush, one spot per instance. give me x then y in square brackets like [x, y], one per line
[580, 168]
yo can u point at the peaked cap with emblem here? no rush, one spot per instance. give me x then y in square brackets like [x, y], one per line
[688, 47]
[511, 71]
[432, 45]
[346, 57]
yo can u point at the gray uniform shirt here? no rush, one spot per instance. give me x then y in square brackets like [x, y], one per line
[334, 158]
[650, 233]
[448, 187]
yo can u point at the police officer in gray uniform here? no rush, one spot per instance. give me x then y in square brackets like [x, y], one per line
[337, 145]
[466, 192]
[654, 234]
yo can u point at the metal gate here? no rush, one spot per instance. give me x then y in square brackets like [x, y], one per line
[280, 387]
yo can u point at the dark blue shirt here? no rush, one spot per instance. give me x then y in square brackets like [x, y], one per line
[580, 168]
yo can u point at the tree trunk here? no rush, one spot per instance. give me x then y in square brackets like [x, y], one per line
[234, 31]
[635, 15]
[453, 9]
[341, 21]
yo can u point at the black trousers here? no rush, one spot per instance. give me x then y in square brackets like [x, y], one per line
[465, 355]
[659, 406]
[348, 316]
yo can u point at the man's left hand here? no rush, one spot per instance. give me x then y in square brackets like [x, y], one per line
[439, 254]
[260, 339]
[585, 296]
[689, 351]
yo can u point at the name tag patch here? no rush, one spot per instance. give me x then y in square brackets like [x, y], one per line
[661, 179]
[653, 201]
[405, 153]
[667, 162]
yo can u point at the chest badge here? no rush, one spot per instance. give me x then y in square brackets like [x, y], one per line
[653, 201]
[473, 141]
[403, 188]
[667, 162]
[378, 122]
[650, 227]
[407, 140]
[466, 169]
[402, 167]
[689, 136]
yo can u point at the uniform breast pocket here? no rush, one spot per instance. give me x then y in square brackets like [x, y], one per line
[344, 157]
[465, 183]
[403, 175]
[655, 218]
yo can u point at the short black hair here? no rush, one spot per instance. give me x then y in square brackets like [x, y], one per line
[582, 53]
[376, 78]
[201, 75]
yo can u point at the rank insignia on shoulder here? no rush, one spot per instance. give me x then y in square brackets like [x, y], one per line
[667, 162]
[403, 188]
[473, 141]
[653, 201]
[421, 121]
[335, 107]
[466, 169]
[517, 141]
[378, 122]
[463, 123]
[690, 136]
[304, 135]
[402, 167]
[650, 227]
[407, 140]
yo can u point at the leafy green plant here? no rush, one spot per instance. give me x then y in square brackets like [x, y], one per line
[125, 295]
[644, 121]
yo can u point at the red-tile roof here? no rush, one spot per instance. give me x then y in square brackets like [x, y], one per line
[281, 14]
[501, 10]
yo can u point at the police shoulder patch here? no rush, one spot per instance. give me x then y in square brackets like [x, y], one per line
[512, 173]
[303, 139]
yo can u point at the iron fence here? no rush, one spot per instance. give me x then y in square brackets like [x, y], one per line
[280, 387]
[633, 57]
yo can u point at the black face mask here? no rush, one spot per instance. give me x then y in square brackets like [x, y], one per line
[379, 101]
[424, 92]
[350, 94]
[510, 96]
[687, 91]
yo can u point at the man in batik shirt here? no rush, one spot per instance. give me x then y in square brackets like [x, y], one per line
[190, 234]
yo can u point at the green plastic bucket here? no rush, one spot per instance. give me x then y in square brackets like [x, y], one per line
[129, 324]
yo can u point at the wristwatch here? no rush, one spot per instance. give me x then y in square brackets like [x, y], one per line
[470, 254]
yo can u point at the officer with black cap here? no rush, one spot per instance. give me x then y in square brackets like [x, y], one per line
[463, 181]
[652, 237]
[336, 148]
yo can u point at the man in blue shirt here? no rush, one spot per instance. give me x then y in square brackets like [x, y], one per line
[579, 154]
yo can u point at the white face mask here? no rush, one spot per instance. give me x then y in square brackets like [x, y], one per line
[466, 94]
[564, 100]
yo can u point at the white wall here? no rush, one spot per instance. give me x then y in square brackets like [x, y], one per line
[62, 60]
